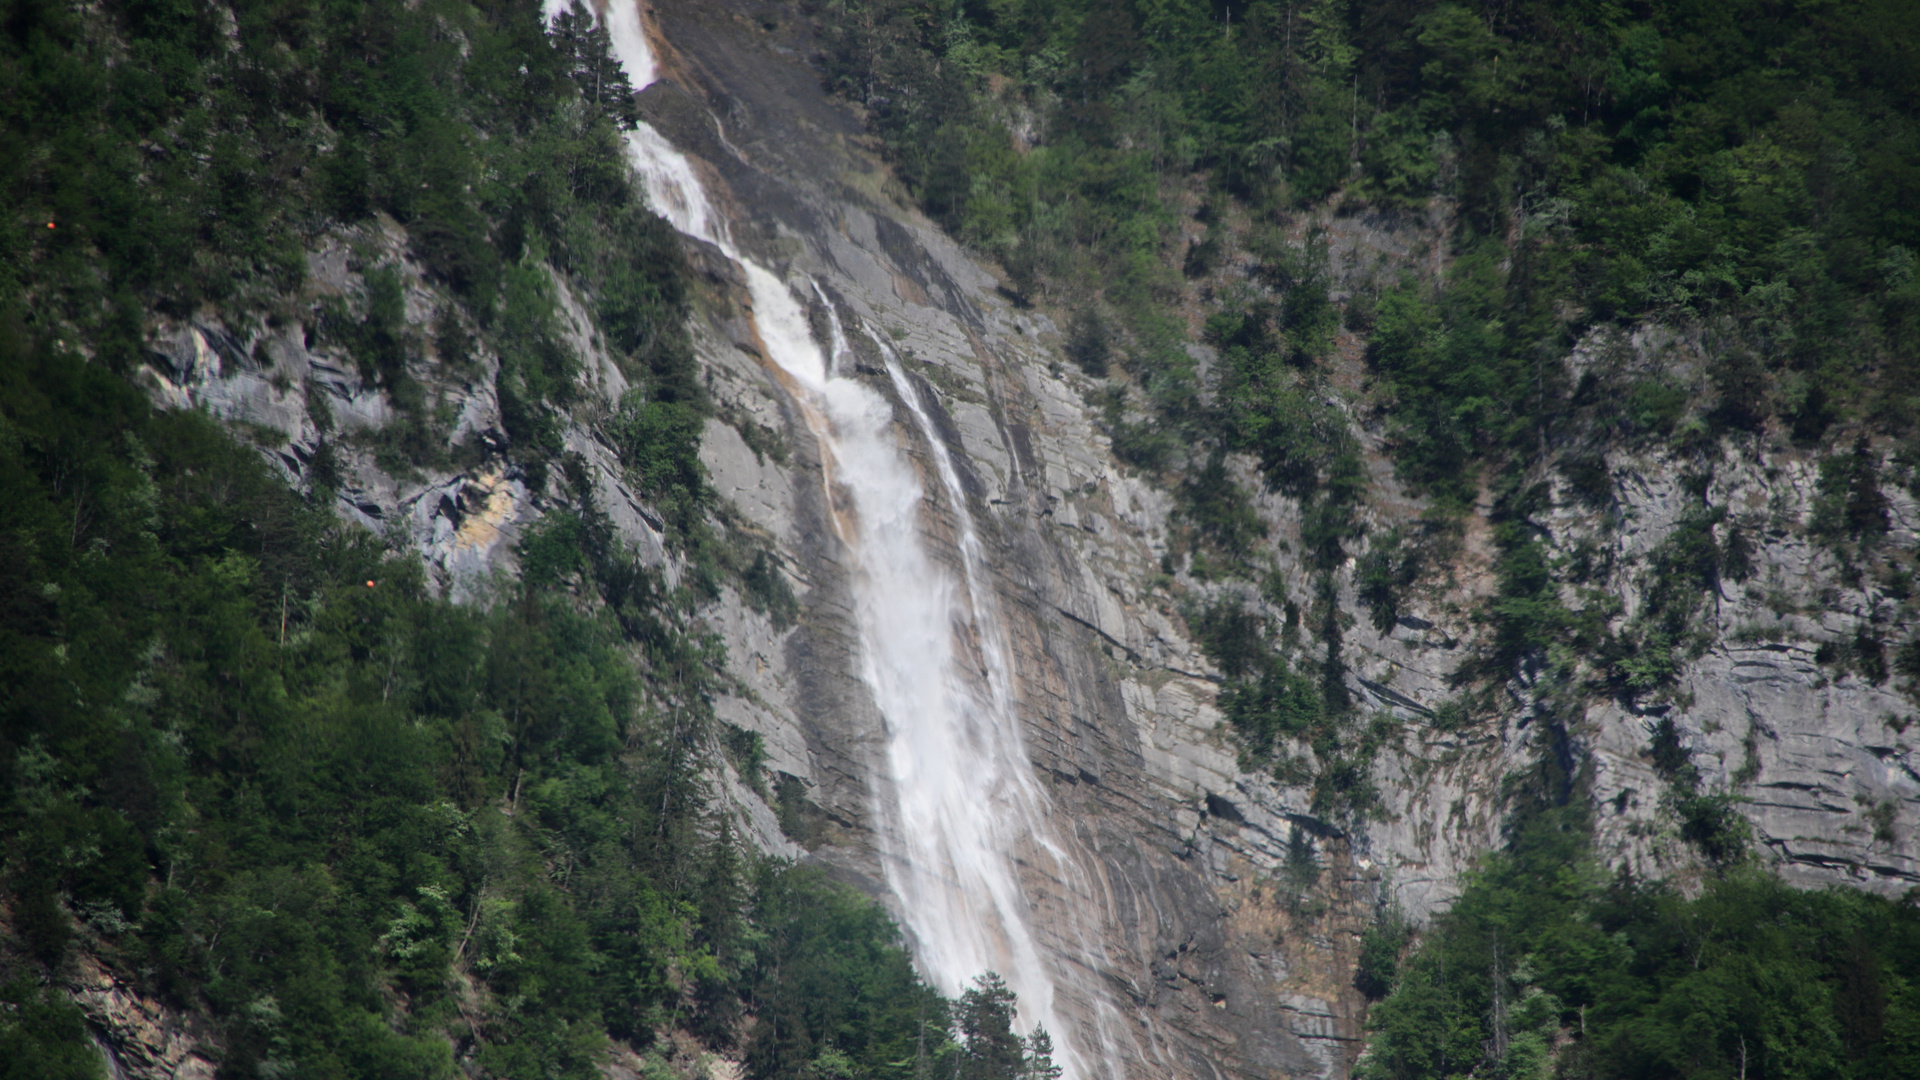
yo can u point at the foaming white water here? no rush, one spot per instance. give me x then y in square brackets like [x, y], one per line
[672, 185]
[962, 802]
[1024, 815]
[962, 799]
[674, 188]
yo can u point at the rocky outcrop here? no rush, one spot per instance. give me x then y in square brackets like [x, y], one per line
[138, 1038]
[307, 404]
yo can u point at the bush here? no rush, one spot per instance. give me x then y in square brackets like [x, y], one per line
[1379, 964]
[1087, 344]
[659, 443]
[1384, 574]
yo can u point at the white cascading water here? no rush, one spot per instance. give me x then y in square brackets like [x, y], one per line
[962, 801]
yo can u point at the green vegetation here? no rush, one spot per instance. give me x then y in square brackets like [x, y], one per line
[258, 770]
[1548, 967]
[1398, 560]
[251, 763]
[1270, 701]
[43, 1036]
[1741, 170]
[1747, 165]
[187, 154]
[1850, 505]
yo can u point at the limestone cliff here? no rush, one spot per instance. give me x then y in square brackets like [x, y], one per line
[1229, 908]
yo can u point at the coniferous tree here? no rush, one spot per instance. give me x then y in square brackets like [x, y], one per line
[588, 50]
[984, 1019]
[1039, 1057]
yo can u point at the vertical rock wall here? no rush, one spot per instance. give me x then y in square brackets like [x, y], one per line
[1222, 962]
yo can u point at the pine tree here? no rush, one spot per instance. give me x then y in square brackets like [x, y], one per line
[603, 83]
[721, 898]
[992, 1051]
[1039, 1063]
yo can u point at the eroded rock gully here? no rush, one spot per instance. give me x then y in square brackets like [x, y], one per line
[1220, 959]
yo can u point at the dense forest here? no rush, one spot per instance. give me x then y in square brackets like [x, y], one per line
[1155, 171]
[254, 766]
[1748, 166]
[255, 769]
[1549, 966]
[1752, 163]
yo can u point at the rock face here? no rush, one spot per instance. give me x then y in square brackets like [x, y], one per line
[144, 1040]
[1215, 958]
[1229, 912]
[1115, 699]
[304, 401]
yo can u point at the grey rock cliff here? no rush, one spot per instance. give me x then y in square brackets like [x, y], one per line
[1222, 972]
[1222, 960]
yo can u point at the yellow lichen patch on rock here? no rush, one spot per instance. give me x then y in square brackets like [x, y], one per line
[481, 527]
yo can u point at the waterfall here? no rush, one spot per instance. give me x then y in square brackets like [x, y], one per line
[1021, 813]
[959, 803]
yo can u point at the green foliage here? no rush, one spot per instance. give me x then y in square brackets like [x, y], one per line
[1464, 375]
[1680, 573]
[258, 770]
[1743, 166]
[187, 155]
[1220, 514]
[1384, 575]
[1864, 654]
[1710, 821]
[801, 818]
[1298, 274]
[1270, 703]
[1299, 437]
[837, 998]
[747, 751]
[1087, 342]
[1906, 662]
[989, 1048]
[1737, 168]
[1380, 948]
[659, 443]
[1526, 614]
[1140, 443]
[1275, 704]
[1536, 616]
[767, 591]
[1629, 979]
[44, 1037]
[1848, 504]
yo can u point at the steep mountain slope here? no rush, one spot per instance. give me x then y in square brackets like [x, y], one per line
[274, 801]
[1748, 722]
[1229, 884]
